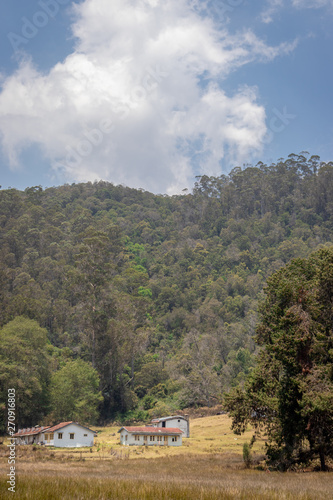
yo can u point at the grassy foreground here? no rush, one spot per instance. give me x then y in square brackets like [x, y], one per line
[208, 467]
[179, 478]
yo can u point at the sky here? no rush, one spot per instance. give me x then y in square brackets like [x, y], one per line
[151, 93]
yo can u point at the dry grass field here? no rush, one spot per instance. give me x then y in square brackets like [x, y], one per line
[208, 466]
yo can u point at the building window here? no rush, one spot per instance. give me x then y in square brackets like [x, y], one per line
[174, 439]
[136, 437]
[59, 435]
[71, 435]
[165, 438]
[85, 435]
[145, 438]
[51, 436]
[152, 438]
[126, 437]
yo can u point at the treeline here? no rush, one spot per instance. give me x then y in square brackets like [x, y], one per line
[157, 294]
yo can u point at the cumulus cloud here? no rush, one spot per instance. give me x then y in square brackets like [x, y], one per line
[140, 101]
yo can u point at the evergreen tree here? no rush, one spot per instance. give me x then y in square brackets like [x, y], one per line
[290, 393]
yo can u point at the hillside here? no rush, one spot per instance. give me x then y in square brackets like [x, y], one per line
[159, 293]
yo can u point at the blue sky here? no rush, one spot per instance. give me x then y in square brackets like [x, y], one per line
[150, 93]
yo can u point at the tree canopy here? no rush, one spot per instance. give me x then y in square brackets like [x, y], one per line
[25, 365]
[290, 392]
[137, 283]
[75, 393]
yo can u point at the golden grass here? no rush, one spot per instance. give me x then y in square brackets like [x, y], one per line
[208, 435]
[196, 477]
[208, 466]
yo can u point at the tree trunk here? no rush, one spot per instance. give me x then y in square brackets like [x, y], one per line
[322, 460]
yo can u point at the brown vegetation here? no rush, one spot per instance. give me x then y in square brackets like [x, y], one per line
[208, 467]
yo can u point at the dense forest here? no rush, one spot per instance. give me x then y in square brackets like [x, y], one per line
[118, 303]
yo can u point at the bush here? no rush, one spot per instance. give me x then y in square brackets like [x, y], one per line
[247, 455]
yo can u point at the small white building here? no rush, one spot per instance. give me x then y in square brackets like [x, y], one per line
[69, 435]
[150, 436]
[180, 421]
[63, 435]
[31, 435]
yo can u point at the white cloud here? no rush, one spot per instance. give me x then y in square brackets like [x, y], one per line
[271, 9]
[274, 6]
[154, 68]
[312, 4]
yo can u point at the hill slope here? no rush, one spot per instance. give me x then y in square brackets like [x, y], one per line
[159, 293]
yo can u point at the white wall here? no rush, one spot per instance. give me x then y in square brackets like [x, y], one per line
[82, 437]
[178, 423]
[130, 440]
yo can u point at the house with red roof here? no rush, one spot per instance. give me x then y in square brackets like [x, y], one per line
[31, 435]
[64, 435]
[150, 436]
[180, 421]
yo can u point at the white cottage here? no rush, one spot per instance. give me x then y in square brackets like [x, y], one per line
[180, 421]
[63, 435]
[31, 435]
[150, 436]
[69, 435]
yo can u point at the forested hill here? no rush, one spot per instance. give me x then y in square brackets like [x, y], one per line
[159, 293]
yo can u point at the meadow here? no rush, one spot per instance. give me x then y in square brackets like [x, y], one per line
[208, 466]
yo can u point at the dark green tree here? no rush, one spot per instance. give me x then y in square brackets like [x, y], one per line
[75, 393]
[25, 365]
[290, 393]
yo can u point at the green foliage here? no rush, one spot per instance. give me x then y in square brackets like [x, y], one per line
[135, 282]
[247, 455]
[290, 392]
[74, 393]
[25, 365]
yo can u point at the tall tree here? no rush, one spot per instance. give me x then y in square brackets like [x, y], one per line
[290, 394]
[25, 365]
[75, 393]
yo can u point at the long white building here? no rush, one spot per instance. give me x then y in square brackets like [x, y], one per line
[150, 436]
[63, 435]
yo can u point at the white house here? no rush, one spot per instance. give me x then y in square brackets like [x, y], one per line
[180, 421]
[69, 435]
[63, 435]
[150, 436]
[31, 435]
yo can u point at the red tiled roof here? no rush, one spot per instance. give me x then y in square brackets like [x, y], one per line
[36, 430]
[64, 424]
[59, 426]
[31, 431]
[152, 430]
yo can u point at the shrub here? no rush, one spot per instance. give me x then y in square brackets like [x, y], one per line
[247, 456]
